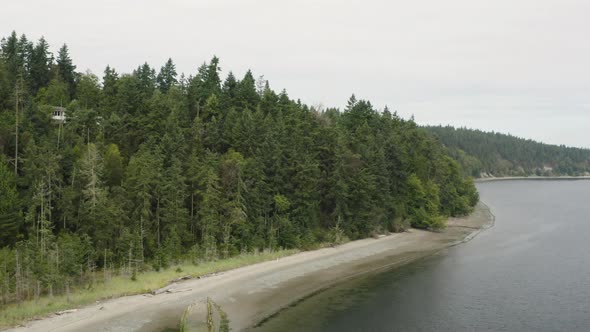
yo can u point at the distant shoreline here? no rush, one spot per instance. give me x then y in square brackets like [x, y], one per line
[533, 177]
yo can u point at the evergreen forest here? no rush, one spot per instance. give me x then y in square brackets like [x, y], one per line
[153, 167]
[485, 154]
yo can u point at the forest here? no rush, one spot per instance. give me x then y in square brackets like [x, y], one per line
[485, 154]
[149, 168]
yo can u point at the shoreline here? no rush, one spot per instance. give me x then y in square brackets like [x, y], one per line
[252, 294]
[393, 264]
[532, 177]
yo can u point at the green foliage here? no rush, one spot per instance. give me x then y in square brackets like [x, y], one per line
[66, 70]
[483, 154]
[9, 218]
[150, 170]
[246, 93]
[146, 282]
[113, 166]
[56, 94]
[167, 76]
[39, 65]
[423, 203]
[88, 91]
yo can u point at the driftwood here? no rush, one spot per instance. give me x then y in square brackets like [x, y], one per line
[178, 290]
[209, 275]
[161, 290]
[169, 289]
[181, 279]
[59, 313]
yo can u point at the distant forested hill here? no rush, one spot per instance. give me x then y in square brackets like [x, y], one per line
[493, 154]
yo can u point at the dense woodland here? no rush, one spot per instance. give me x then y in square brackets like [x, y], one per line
[484, 154]
[153, 168]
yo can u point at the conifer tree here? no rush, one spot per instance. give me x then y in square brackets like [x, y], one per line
[108, 95]
[40, 66]
[9, 218]
[66, 70]
[246, 92]
[167, 76]
[174, 231]
[228, 92]
[88, 91]
[94, 195]
[113, 166]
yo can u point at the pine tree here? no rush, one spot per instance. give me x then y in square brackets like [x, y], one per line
[15, 64]
[167, 76]
[108, 97]
[209, 212]
[173, 229]
[55, 94]
[88, 91]
[9, 218]
[234, 209]
[246, 92]
[113, 166]
[146, 78]
[203, 85]
[40, 66]
[66, 70]
[212, 81]
[228, 92]
[211, 108]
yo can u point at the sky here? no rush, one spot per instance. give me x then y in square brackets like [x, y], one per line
[513, 66]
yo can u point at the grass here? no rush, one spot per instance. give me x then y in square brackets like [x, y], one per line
[184, 321]
[122, 285]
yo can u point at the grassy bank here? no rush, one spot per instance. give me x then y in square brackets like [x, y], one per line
[122, 285]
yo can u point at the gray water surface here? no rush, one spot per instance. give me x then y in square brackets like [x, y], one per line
[531, 272]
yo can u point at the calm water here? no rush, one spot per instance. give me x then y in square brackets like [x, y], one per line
[531, 272]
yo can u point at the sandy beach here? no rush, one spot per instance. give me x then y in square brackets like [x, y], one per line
[250, 294]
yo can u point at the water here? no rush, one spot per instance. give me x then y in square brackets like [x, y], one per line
[531, 272]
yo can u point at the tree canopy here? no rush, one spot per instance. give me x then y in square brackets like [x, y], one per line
[150, 169]
[494, 154]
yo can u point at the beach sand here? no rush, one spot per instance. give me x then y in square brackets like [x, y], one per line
[250, 294]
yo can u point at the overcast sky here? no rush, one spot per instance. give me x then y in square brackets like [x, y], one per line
[518, 66]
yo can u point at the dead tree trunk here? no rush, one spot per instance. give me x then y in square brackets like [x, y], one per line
[38, 292]
[18, 281]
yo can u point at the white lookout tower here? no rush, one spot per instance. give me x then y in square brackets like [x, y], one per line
[59, 114]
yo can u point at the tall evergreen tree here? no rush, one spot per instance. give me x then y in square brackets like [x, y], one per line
[246, 92]
[88, 91]
[66, 70]
[108, 97]
[9, 218]
[146, 78]
[167, 76]
[40, 66]
[228, 92]
[113, 166]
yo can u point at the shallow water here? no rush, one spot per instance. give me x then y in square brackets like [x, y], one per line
[530, 272]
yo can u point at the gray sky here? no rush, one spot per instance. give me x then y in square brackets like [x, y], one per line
[518, 66]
